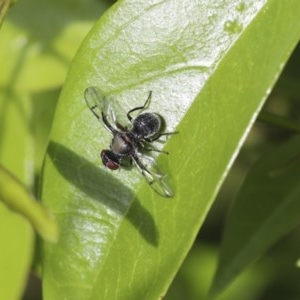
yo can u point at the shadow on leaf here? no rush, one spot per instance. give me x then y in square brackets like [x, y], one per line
[103, 187]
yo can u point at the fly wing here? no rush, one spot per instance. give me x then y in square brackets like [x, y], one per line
[99, 105]
[152, 174]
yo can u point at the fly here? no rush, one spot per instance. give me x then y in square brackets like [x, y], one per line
[130, 145]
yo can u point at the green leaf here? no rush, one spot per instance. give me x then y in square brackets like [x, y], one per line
[18, 215]
[194, 278]
[17, 246]
[16, 151]
[266, 208]
[35, 53]
[15, 234]
[39, 39]
[18, 199]
[209, 68]
[4, 6]
[36, 49]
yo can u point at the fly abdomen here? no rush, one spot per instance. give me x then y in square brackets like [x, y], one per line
[146, 125]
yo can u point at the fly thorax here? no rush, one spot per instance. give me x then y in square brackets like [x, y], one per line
[120, 144]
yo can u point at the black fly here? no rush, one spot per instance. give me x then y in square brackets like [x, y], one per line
[129, 145]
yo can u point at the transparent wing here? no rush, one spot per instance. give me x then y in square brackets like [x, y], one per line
[152, 174]
[99, 105]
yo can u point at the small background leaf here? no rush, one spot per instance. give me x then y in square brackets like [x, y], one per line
[38, 41]
[18, 199]
[266, 208]
[16, 238]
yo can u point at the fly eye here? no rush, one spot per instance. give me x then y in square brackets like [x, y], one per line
[112, 165]
[109, 160]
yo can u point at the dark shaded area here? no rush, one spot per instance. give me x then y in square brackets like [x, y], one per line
[34, 289]
[104, 188]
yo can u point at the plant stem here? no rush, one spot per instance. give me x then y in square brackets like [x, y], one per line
[279, 121]
[4, 6]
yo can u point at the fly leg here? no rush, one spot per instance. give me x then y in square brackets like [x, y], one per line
[139, 107]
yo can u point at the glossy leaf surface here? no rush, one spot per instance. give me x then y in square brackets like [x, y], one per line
[209, 68]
